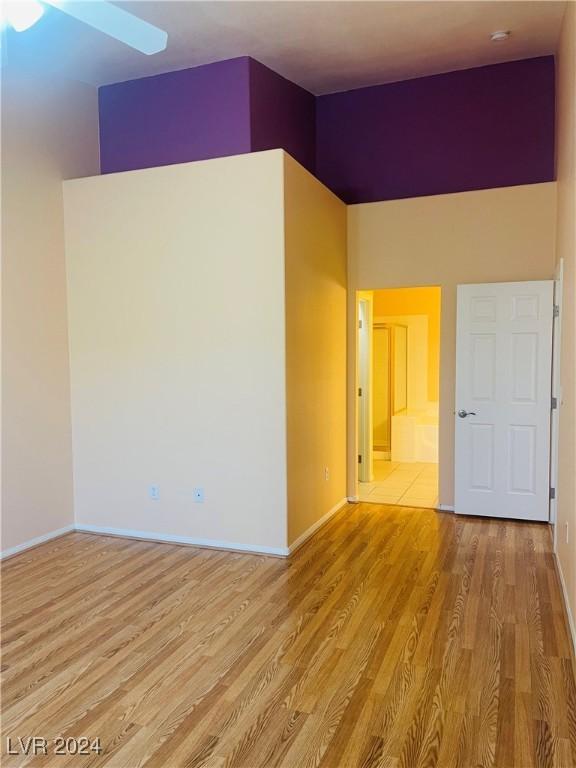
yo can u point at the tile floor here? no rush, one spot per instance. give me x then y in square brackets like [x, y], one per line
[409, 485]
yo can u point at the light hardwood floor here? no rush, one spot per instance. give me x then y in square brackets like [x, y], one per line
[394, 638]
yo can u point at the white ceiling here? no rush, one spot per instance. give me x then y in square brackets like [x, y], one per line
[324, 46]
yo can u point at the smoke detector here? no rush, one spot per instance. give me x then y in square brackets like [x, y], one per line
[500, 35]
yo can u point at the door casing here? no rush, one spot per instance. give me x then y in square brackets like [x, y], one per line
[364, 394]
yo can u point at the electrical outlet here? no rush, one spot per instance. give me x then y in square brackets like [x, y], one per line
[326, 473]
[154, 492]
[198, 495]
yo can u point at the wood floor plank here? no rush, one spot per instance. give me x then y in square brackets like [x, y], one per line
[395, 638]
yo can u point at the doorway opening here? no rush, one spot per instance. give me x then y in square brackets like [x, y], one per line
[398, 395]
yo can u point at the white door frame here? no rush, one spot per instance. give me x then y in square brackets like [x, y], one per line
[364, 393]
[556, 394]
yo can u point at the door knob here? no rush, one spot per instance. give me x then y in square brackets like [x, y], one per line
[462, 413]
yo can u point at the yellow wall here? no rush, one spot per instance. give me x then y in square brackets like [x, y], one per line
[176, 307]
[315, 348]
[416, 301]
[49, 132]
[566, 249]
[491, 235]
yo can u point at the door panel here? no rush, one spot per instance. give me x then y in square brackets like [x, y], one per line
[503, 369]
[482, 457]
[483, 366]
[524, 367]
[522, 469]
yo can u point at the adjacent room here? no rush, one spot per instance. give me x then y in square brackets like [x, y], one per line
[402, 384]
[288, 384]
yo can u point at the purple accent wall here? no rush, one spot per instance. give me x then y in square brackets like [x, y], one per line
[191, 114]
[283, 115]
[473, 129]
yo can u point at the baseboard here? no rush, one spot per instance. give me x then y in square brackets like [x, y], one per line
[353, 499]
[314, 527]
[166, 538]
[445, 508]
[571, 623]
[35, 542]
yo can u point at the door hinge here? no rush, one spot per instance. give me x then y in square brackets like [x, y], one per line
[554, 403]
[556, 310]
[359, 458]
[359, 391]
[552, 493]
[359, 323]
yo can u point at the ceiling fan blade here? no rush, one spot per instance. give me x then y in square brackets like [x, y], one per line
[115, 22]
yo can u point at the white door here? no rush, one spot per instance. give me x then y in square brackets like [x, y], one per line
[503, 370]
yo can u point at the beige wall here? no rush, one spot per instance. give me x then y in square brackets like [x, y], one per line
[315, 348]
[493, 235]
[566, 249]
[49, 132]
[176, 306]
